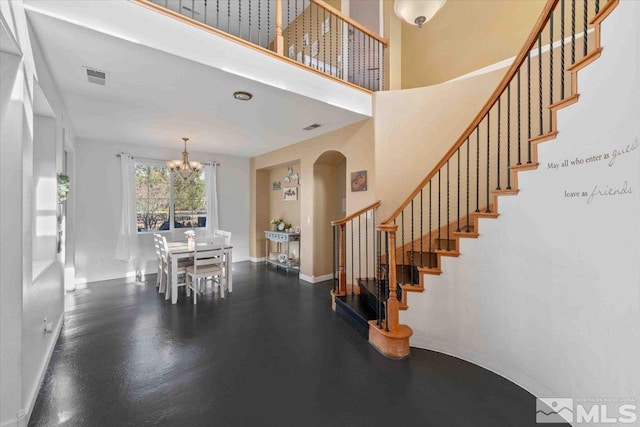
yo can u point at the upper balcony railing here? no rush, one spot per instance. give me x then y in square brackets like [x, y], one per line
[308, 32]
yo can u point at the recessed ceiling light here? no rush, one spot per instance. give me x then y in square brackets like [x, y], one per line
[312, 127]
[242, 96]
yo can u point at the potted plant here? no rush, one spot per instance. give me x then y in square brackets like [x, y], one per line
[275, 223]
[64, 183]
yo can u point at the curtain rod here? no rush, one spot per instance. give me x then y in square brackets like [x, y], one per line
[162, 160]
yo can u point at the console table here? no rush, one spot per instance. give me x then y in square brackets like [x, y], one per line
[281, 238]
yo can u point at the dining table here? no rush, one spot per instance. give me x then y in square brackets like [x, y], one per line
[183, 250]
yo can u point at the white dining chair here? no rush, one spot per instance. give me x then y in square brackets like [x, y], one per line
[225, 234]
[208, 263]
[166, 270]
[156, 244]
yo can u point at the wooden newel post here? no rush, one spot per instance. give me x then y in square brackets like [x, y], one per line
[279, 41]
[393, 306]
[342, 263]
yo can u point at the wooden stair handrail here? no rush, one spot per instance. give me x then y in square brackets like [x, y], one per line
[356, 214]
[351, 22]
[509, 75]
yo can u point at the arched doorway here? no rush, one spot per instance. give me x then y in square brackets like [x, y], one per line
[330, 192]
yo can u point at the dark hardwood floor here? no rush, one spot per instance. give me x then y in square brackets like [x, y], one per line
[272, 353]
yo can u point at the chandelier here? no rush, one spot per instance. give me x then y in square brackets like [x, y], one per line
[417, 12]
[184, 167]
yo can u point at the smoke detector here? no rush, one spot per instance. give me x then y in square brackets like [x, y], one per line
[96, 76]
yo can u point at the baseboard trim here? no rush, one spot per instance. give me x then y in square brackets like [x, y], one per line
[316, 279]
[43, 370]
[256, 260]
[513, 375]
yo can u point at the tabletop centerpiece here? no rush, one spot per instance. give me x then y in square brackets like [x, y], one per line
[191, 238]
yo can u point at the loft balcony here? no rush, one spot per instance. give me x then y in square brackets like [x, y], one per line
[309, 33]
[167, 72]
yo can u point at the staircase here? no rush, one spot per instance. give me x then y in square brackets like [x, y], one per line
[466, 185]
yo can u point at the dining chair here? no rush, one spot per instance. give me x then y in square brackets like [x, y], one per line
[225, 234]
[166, 270]
[156, 244]
[207, 263]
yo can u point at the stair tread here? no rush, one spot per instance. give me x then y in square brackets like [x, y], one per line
[357, 307]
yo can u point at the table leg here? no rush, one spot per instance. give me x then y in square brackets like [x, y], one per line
[174, 279]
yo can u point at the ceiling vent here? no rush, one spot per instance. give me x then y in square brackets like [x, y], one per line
[97, 77]
[312, 127]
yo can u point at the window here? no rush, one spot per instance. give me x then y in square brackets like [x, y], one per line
[165, 201]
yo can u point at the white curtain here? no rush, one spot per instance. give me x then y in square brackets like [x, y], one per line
[211, 173]
[127, 247]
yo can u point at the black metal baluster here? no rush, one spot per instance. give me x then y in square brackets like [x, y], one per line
[478, 168]
[458, 191]
[439, 210]
[413, 254]
[498, 151]
[551, 70]
[352, 257]
[359, 247]
[381, 65]
[573, 32]
[402, 235]
[421, 231]
[562, 70]
[540, 81]
[387, 284]
[378, 273]
[430, 229]
[331, 58]
[509, 136]
[488, 157]
[586, 27]
[317, 67]
[297, 40]
[373, 228]
[467, 143]
[229, 16]
[597, 6]
[324, 41]
[250, 21]
[529, 106]
[259, 23]
[240, 19]
[448, 221]
[288, 26]
[519, 103]
[366, 245]
[350, 76]
[218, 16]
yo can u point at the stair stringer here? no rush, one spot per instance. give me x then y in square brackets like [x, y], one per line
[543, 295]
[493, 210]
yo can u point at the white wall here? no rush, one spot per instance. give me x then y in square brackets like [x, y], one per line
[548, 295]
[25, 301]
[98, 208]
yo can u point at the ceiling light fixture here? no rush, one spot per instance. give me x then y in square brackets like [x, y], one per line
[417, 12]
[184, 167]
[242, 95]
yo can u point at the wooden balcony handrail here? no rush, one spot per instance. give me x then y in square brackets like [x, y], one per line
[356, 214]
[351, 22]
[509, 75]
